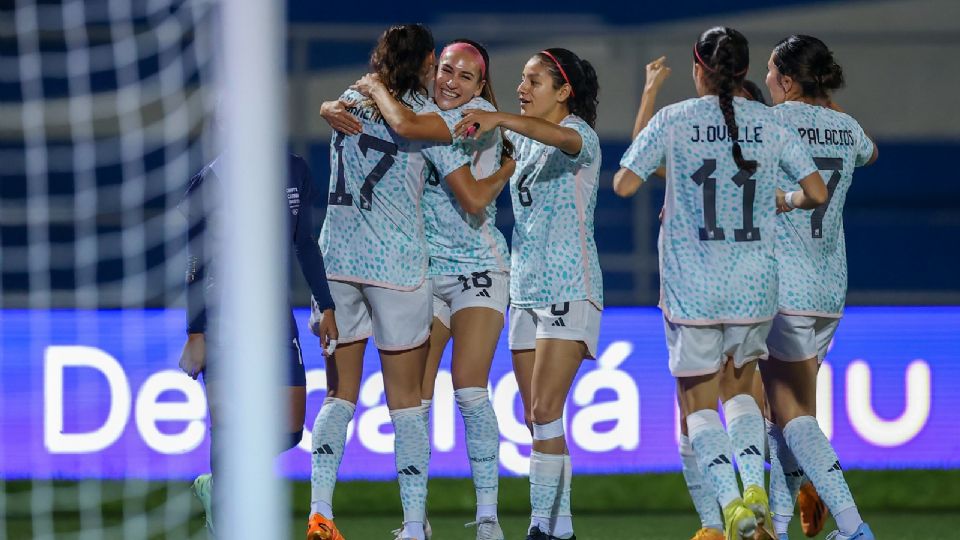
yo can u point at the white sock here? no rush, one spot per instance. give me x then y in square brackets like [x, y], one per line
[546, 472]
[413, 529]
[747, 436]
[562, 526]
[329, 438]
[712, 447]
[786, 477]
[483, 445]
[700, 489]
[814, 453]
[412, 455]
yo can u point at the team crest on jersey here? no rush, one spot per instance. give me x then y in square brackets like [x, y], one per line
[293, 200]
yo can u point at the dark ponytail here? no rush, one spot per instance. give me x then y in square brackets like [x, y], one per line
[566, 67]
[724, 55]
[809, 62]
[398, 58]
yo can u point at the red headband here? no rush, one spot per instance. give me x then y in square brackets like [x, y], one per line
[700, 61]
[562, 72]
[469, 49]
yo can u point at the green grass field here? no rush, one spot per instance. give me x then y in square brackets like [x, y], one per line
[900, 505]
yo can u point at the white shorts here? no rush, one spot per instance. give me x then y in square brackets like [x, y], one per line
[451, 293]
[397, 320]
[574, 321]
[702, 350]
[794, 338]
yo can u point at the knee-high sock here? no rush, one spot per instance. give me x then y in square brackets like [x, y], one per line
[747, 437]
[329, 438]
[700, 488]
[546, 473]
[815, 454]
[786, 477]
[711, 444]
[483, 446]
[412, 454]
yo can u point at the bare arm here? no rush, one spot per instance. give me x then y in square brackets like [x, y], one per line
[814, 193]
[407, 124]
[564, 138]
[657, 73]
[626, 182]
[475, 195]
[335, 113]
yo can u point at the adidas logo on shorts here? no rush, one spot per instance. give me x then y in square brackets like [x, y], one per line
[558, 322]
[484, 293]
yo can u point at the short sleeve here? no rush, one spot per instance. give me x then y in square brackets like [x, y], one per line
[795, 160]
[447, 158]
[648, 150]
[590, 143]
[865, 147]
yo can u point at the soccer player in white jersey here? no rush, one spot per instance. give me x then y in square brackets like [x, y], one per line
[468, 254]
[556, 289]
[372, 241]
[718, 273]
[813, 281]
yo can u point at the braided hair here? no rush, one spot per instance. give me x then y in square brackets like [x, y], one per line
[724, 55]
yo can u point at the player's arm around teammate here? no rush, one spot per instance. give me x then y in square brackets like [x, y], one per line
[802, 75]
[556, 285]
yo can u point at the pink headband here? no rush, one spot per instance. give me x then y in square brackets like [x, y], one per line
[696, 53]
[562, 72]
[469, 49]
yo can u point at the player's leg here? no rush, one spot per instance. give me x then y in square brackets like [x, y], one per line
[698, 486]
[745, 345]
[798, 345]
[401, 323]
[476, 331]
[344, 372]
[696, 358]
[296, 393]
[439, 336]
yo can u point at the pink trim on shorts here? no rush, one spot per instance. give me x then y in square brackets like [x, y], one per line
[801, 313]
[349, 340]
[708, 322]
[780, 357]
[404, 347]
[381, 284]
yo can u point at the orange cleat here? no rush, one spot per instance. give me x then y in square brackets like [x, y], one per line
[707, 533]
[321, 528]
[813, 513]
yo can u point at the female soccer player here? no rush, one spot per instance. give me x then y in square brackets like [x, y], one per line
[813, 276]
[556, 289]
[717, 266]
[372, 241]
[203, 196]
[468, 255]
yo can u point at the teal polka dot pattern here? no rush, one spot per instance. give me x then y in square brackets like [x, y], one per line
[717, 239]
[374, 231]
[554, 196]
[460, 243]
[811, 249]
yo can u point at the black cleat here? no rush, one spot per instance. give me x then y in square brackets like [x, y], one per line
[536, 534]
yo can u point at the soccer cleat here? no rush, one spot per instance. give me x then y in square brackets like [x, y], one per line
[536, 534]
[739, 521]
[487, 528]
[863, 532]
[321, 528]
[707, 533]
[813, 513]
[756, 499]
[427, 529]
[203, 489]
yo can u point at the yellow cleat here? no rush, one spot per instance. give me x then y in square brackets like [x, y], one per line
[321, 528]
[756, 499]
[739, 521]
[813, 513]
[707, 533]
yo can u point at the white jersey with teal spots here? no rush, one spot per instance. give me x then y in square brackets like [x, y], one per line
[554, 196]
[717, 259]
[373, 232]
[810, 243]
[458, 242]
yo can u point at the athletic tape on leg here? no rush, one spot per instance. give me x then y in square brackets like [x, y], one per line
[550, 430]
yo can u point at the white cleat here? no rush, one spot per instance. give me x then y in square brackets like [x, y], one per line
[203, 489]
[488, 528]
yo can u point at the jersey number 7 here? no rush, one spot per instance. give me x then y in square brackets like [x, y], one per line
[340, 196]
